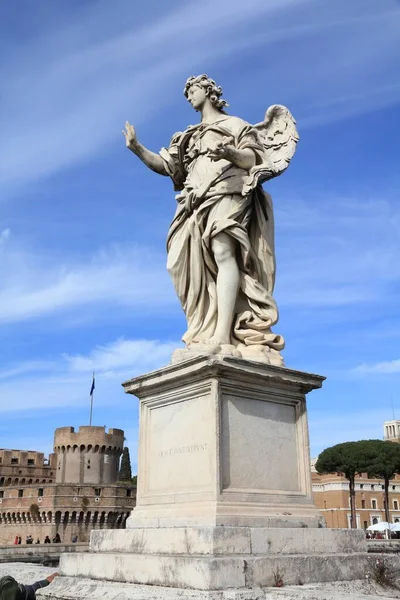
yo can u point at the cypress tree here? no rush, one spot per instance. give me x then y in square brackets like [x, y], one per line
[125, 472]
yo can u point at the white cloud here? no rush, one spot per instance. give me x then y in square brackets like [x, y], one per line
[98, 70]
[34, 284]
[4, 235]
[121, 354]
[65, 380]
[388, 367]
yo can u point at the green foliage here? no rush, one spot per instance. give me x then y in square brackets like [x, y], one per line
[386, 462]
[349, 458]
[134, 480]
[125, 473]
[377, 458]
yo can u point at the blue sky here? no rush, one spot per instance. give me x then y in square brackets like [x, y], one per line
[83, 284]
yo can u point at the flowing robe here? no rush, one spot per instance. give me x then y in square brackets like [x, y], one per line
[211, 201]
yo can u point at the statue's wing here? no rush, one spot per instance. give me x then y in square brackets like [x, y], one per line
[278, 135]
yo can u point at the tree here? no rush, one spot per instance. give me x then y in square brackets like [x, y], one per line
[385, 465]
[351, 459]
[125, 472]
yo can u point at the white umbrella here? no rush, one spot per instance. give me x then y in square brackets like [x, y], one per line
[382, 526]
[395, 527]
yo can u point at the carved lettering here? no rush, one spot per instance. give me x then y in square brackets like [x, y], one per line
[183, 450]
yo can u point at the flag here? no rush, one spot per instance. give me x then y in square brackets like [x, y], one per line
[93, 386]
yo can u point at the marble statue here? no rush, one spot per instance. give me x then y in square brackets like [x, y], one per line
[221, 241]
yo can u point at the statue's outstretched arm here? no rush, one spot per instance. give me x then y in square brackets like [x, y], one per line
[152, 160]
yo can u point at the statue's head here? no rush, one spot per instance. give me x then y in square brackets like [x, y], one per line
[200, 88]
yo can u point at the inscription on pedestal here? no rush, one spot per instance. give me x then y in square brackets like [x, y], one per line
[183, 450]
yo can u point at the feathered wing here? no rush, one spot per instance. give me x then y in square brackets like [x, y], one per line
[278, 135]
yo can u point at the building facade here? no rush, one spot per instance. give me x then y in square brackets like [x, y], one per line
[74, 491]
[332, 495]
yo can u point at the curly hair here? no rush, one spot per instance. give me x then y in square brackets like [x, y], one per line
[213, 91]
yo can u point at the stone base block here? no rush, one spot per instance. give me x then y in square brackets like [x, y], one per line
[218, 541]
[219, 558]
[216, 572]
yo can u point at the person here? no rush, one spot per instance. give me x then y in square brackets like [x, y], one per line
[221, 242]
[16, 540]
[74, 539]
[37, 541]
[19, 540]
[29, 539]
[10, 589]
[57, 539]
[47, 540]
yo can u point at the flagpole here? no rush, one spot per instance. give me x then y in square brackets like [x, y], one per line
[91, 402]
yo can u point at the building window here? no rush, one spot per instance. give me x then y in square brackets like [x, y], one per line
[372, 487]
[361, 486]
[20, 493]
[14, 461]
[1, 494]
[395, 505]
[40, 492]
[373, 504]
[129, 495]
[31, 462]
[365, 524]
[362, 503]
[97, 491]
[393, 487]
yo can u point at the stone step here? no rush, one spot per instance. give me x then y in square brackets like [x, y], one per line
[68, 588]
[215, 572]
[228, 540]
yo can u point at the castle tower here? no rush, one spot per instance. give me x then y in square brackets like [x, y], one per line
[89, 455]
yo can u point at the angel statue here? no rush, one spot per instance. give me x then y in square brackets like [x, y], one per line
[221, 241]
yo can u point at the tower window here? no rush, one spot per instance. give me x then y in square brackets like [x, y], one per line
[40, 492]
[97, 491]
[20, 493]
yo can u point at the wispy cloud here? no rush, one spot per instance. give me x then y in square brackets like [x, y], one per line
[35, 385]
[77, 103]
[388, 367]
[38, 284]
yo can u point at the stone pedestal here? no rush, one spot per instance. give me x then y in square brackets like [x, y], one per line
[224, 503]
[223, 441]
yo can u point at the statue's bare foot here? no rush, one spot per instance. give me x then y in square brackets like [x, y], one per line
[210, 346]
[230, 350]
[262, 354]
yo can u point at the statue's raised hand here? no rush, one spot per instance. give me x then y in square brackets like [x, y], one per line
[130, 135]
